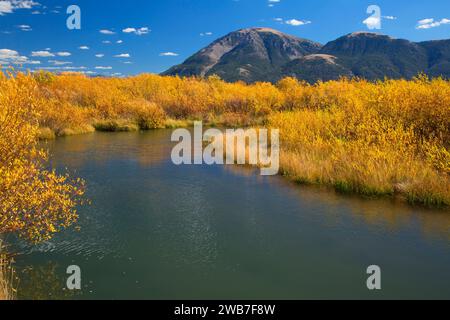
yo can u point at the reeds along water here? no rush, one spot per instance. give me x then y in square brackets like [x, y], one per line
[7, 276]
[375, 138]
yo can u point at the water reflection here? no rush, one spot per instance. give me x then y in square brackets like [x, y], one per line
[383, 212]
[160, 231]
[133, 146]
[44, 282]
[102, 148]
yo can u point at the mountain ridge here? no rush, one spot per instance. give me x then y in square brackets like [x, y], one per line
[264, 54]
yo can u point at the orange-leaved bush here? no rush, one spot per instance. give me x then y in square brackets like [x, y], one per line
[35, 202]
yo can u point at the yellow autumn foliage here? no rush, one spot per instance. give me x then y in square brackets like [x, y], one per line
[35, 203]
[386, 137]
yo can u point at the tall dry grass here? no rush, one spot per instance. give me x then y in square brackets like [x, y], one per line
[7, 277]
[381, 138]
[375, 138]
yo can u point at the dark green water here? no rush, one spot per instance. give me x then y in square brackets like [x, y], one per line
[158, 231]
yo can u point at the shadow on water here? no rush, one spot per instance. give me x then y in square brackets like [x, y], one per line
[160, 231]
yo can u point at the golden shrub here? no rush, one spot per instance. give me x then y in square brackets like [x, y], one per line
[148, 115]
[34, 202]
[381, 137]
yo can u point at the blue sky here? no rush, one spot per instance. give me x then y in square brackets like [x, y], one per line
[135, 36]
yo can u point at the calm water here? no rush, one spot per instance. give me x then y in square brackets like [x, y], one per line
[157, 231]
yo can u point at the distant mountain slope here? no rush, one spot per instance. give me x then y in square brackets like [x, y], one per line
[316, 67]
[248, 54]
[262, 54]
[438, 53]
[374, 56]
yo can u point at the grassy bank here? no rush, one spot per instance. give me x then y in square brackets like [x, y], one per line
[385, 161]
[373, 138]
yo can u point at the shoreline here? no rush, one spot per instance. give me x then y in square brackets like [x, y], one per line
[340, 187]
[381, 138]
[7, 291]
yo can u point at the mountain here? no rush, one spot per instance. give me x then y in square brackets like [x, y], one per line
[249, 54]
[315, 67]
[262, 54]
[373, 56]
[438, 53]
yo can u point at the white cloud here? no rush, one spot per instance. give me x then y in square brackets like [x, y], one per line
[6, 7]
[372, 22]
[204, 34]
[100, 55]
[296, 23]
[119, 41]
[63, 54]
[271, 3]
[59, 63]
[8, 53]
[108, 32]
[106, 42]
[24, 4]
[84, 48]
[9, 6]
[123, 55]
[24, 27]
[425, 21]
[42, 54]
[375, 22]
[169, 54]
[103, 68]
[137, 31]
[431, 23]
[8, 57]
[67, 68]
